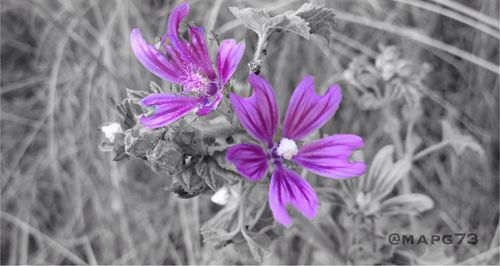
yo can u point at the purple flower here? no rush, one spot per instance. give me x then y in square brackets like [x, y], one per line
[306, 112]
[186, 63]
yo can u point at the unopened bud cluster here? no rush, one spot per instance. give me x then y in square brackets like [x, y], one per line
[388, 78]
[178, 152]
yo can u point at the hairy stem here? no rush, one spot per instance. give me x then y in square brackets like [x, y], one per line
[256, 63]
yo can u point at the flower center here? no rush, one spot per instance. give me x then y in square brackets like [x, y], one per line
[287, 149]
[195, 83]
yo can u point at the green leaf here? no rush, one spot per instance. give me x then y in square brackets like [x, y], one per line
[254, 19]
[384, 173]
[155, 88]
[262, 23]
[210, 172]
[166, 157]
[459, 141]
[321, 20]
[259, 244]
[140, 141]
[294, 24]
[135, 96]
[216, 237]
[411, 203]
[222, 227]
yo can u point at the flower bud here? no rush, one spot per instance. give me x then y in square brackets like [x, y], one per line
[166, 157]
[188, 184]
[140, 141]
[110, 130]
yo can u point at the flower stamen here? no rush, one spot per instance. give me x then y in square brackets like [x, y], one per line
[287, 149]
[195, 83]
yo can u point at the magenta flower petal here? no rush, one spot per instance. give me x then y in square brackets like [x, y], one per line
[152, 59]
[289, 188]
[330, 156]
[200, 51]
[249, 159]
[169, 108]
[228, 58]
[175, 57]
[307, 111]
[174, 22]
[214, 102]
[259, 113]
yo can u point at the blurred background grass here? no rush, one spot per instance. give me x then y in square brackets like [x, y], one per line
[64, 201]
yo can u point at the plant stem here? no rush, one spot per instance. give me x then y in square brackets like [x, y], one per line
[430, 149]
[401, 152]
[256, 63]
[243, 201]
[222, 130]
[394, 134]
[257, 216]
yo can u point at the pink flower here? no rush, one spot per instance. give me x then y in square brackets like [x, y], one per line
[186, 63]
[307, 111]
